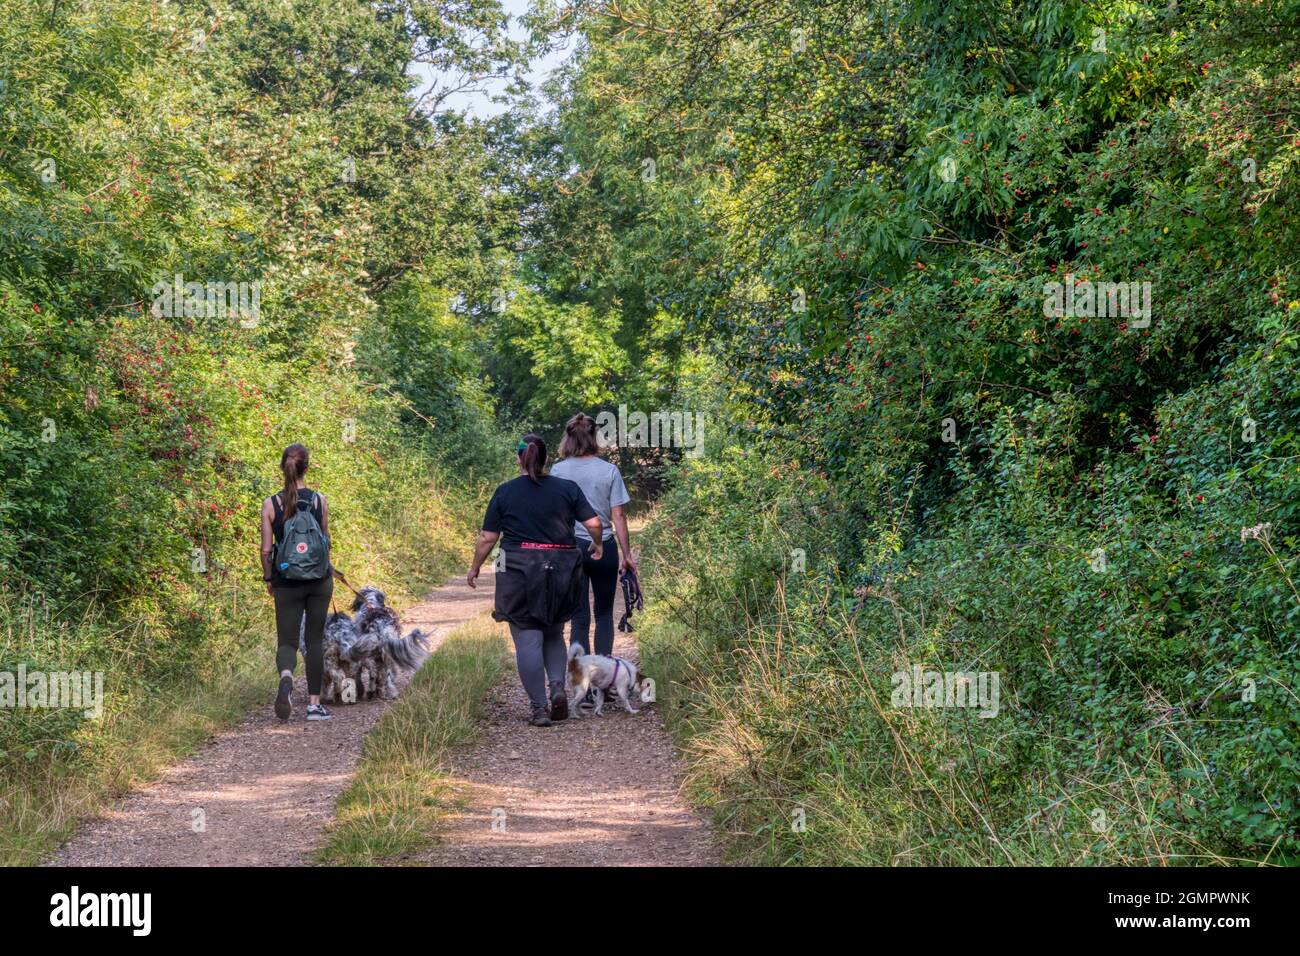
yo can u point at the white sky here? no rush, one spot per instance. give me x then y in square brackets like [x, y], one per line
[480, 104]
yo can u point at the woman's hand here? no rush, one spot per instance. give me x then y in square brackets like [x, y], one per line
[485, 541]
[597, 549]
[628, 563]
[270, 589]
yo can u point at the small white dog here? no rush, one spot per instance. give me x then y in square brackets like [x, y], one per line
[605, 676]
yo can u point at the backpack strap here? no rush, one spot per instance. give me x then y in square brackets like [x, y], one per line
[277, 504]
[278, 515]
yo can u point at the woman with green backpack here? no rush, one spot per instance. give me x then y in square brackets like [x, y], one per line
[296, 569]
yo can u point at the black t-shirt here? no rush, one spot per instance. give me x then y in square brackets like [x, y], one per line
[543, 513]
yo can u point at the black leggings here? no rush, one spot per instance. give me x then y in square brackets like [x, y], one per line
[601, 578]
[291, 603]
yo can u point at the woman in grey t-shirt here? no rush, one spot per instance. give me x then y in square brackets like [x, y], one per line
[601, 482]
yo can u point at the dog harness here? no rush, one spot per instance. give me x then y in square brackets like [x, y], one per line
[613, 680]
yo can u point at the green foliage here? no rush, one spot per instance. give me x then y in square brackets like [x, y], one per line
[263, 143]
[830, 226]
[860, 219]
[552, 359]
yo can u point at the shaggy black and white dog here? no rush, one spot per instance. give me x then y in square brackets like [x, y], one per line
[382, 650]
[367, 649]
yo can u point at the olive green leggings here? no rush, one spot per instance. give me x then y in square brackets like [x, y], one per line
[291, 603]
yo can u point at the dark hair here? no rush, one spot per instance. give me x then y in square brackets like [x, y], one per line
[579, 437]
[294, 465]
[532, 456]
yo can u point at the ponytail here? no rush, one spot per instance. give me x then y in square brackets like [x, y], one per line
[532, 457]
[293, 463]
[579, 439]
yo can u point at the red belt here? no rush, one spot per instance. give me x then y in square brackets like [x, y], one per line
[539, 546]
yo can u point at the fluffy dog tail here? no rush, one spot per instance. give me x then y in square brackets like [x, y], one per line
[409, 652]
[574, 668]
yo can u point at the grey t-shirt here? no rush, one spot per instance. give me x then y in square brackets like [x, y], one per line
[600, 482]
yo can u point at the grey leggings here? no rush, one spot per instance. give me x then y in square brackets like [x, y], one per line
[538, 655]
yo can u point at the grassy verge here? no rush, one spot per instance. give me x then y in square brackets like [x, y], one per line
[803, 763]
[708, 745]
[174, 674]
[401, 790]
[45, 789]
[792, 742]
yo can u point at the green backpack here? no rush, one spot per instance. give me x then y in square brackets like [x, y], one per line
[304, 552]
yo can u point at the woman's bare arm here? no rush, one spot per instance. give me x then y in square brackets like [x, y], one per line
[485, 541]
[268, 542]
[597, 532]
[619, 517]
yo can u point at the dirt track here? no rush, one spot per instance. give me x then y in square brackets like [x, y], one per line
[265, 789]
[596, 791]
[592, 791]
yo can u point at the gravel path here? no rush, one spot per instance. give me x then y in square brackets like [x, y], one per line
[591, 791]
[595, 791]
[261, 793]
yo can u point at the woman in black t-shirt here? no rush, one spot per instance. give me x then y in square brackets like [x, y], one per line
[539, 571]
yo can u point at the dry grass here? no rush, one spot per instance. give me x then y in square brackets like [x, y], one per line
[43, 798]
[400, 790]
[801, 762]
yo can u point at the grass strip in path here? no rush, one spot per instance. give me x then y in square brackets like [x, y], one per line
[401, 788]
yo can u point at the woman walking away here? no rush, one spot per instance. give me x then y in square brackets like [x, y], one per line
[537, 581]
[296, 568]
[602, 484]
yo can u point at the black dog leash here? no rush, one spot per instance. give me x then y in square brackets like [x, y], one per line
[632, 600]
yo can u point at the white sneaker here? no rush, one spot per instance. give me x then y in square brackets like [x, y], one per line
[317, 712]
